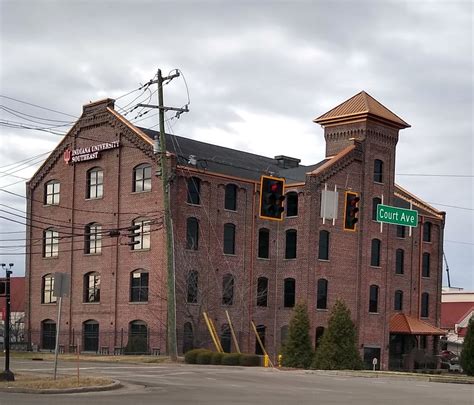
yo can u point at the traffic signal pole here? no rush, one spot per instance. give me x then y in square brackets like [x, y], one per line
[7, 375]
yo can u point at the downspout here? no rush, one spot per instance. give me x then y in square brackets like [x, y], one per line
[28, 256]
[117, 244]
[252, 262]
[420, 263]
[71, 254]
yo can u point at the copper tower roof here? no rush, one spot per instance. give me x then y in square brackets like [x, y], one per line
[360, 107]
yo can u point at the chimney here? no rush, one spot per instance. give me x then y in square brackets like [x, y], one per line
[286, 162]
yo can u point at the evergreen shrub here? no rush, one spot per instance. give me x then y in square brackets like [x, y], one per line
[191, 355]
[217, 358]
[231, 359]
[204, 357]
[249, 360]
[467, 354]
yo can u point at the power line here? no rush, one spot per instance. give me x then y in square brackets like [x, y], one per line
[435, 175]
[38, 106]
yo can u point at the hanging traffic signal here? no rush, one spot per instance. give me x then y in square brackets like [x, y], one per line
[132, 235]
[271, 198]
[351, 210]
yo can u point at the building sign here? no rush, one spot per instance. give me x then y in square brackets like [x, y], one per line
[88, 152]
[398, 216]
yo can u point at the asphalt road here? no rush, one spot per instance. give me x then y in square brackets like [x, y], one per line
[189, 384]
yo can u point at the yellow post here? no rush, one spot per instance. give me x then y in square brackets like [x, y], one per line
[221, 350]
[280, 357]
[260, 343]
[236, 343]
[208, 324]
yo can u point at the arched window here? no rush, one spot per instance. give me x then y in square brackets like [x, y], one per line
[92, 287]
[90, 333]
[192, 233]
[398, 301]
[375, 202]
[230, 202]
[95, 183]
[284, 334]
[188, 337]
[261, 333]
[375, 253]
[229, 239]
[137, 338]
[228, 289]
[48, 334]
[142, 239]
[318, 336]
[427, 232]
[51, 192]
[425, 305]
[139, 286]
[141, 178]
[192, 283]
[194, 189]
[93, 238]
[425, 268]
[50, 243]
[323, 253]
[378, 171]
[47, 288]
[399, 261]
[373, 298]
[291, 240]
[263, 243]
[262, 292]
[322, 295]
[289, 292]
[292, 204]
[226, 341]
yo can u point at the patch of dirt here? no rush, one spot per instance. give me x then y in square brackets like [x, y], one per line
[35, 381]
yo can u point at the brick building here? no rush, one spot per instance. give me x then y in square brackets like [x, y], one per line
[102, 178]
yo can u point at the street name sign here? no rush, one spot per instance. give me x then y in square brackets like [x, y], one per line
[397, 216]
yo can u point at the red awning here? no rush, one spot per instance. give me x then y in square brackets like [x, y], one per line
[406, 325]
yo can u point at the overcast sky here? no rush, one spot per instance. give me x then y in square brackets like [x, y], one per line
[256, 71]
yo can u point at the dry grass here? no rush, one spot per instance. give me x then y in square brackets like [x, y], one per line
[33, 381]
[89, 357]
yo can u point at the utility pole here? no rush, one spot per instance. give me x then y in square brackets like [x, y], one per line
[159, 148]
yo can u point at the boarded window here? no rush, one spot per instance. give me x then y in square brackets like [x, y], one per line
[323, 253]
[230, 202]
[290, 248]
[292, 204]
[289, 292]
[229, 239]
[322, 294]
[263, 243]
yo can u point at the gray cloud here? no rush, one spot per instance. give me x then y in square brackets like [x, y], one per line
[274, 59]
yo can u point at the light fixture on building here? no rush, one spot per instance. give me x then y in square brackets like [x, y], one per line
[192, 160]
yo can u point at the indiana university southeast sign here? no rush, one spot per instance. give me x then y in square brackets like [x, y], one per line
[398, 216]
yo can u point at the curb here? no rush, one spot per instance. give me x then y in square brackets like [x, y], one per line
[420, 377]
[116, 384]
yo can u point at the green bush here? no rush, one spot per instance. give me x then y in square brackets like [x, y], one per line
[297, 351]
[204, 357]
[191, 355]
[338, 349]
[217, 358]
[231, 359]
[249, 360]
[467, 354]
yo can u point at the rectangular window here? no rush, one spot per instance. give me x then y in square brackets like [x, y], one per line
[229, 239]
[400, 231]
[262, 291]
[143, 237]
[375, 253]
[323, 245]
[290, 248]
[399, 261]
[426, 265]
[52, 193]
[48, 289]
[373, 299]
[289, 293]
[50, 243]
[95, 183]
[263, 243]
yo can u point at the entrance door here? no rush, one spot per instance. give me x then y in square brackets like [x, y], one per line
[371, 353]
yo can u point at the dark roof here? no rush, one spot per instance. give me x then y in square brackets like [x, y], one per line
[231, 162]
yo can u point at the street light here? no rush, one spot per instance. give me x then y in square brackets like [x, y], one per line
[7, 375]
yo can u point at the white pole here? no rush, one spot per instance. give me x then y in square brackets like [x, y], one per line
[410, 228]
[335, 205]
[324, 202]
[56, 349]
[381, 224]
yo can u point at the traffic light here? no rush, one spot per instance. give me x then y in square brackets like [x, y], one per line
[351, 210]
[3, 288]
[132, 234]
[271, 198]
